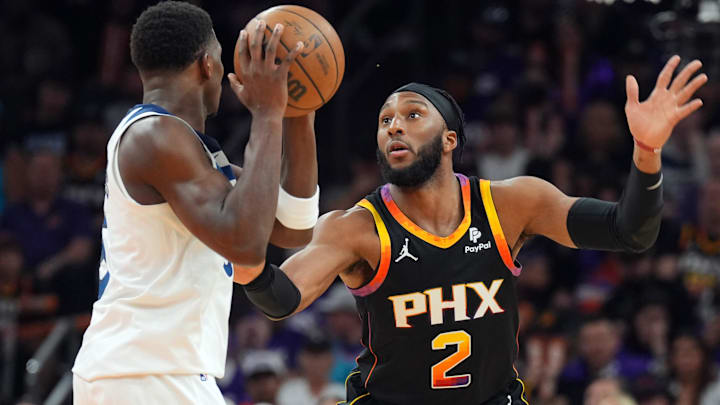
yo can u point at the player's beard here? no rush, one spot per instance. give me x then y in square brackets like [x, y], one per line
[419, 171]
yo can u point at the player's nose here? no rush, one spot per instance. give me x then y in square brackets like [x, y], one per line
[396, 127]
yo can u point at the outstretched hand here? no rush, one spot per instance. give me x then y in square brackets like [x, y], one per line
[651, 122]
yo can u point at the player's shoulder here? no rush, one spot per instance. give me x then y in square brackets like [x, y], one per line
[345, 227]
[522, 192]
[519, 186]
[158, 138]
[157, 131]
[352, 230]
[355, 218]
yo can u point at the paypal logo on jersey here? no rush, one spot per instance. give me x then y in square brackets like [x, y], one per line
[474, 234]
[228, 267]
[477, 248]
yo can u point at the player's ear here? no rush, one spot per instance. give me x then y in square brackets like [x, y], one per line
[205, 62]
[450, 141]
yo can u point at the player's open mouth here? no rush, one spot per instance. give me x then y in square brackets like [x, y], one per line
[397, 149]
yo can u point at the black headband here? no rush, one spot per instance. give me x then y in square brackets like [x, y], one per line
[443, 103]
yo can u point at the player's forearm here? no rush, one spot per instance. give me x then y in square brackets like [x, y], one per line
[299, 175]
[280, 293]
[299, 163]
[250, 206]
[272, 291]
[632, 224]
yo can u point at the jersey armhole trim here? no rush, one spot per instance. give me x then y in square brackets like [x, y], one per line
[132, 118]
[115, 163]
[500, 241]
[385, 253]
[371, 351]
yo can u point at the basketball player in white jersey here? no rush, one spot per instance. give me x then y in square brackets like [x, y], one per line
[178, 215]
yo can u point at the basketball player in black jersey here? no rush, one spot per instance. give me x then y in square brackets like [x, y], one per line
[430, 257]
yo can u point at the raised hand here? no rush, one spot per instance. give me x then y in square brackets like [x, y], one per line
[264, 83]
[651, 122]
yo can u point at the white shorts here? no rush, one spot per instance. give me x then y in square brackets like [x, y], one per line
[149, 389]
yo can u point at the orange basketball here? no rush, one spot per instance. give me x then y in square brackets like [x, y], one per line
[316, 73]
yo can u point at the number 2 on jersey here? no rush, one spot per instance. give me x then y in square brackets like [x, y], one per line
[438, 373]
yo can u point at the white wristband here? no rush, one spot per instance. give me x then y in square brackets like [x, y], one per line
[298, 213]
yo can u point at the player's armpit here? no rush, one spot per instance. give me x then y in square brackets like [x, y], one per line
[162, 154]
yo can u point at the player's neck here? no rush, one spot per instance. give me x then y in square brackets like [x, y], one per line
[171, 93]
[436, 206]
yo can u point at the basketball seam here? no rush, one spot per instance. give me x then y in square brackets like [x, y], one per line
[337, 67]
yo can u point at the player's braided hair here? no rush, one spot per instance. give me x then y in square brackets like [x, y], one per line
[169, 36]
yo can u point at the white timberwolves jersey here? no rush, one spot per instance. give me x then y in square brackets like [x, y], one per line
[164, 298]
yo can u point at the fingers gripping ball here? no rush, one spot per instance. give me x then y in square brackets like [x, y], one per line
[316, 73]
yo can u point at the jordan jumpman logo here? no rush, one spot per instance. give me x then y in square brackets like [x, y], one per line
[405, 252]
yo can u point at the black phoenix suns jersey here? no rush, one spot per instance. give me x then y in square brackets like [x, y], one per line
[440, 314]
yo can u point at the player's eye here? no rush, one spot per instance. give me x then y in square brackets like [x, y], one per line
[414, 115]
[385, 120]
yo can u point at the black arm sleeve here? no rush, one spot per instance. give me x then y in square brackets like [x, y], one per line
[632, 224]
[273, 292]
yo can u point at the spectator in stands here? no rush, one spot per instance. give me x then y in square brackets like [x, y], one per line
[711, 396]
[85, 184]
[54, 234]
[602, 388]
[699, 262]
[651, 280]
[263, 371]
[344, 328]
[617, 399]
[544, 359]
[33, 312]
[11, 268]
[650, 390]
[600, 355]
[711, 337]
[649, 335]
[254, 331]
[691, 370]
[602, 144]
[16, 285]
[684, 160]
[506, 156]
[314, 381]
[49, 121]
[712, 147]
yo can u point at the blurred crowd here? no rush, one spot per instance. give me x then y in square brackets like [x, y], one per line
[542, 86]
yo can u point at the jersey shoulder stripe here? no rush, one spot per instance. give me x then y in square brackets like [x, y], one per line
[498, 235]
[385, 253]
